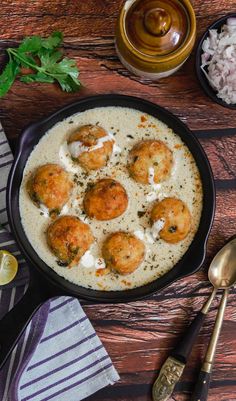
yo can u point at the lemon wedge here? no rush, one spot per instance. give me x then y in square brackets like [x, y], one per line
[8, 267]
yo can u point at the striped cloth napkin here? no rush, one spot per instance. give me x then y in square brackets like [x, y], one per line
[59, 357]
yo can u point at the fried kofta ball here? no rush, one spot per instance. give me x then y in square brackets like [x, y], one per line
[105, 200]
[151, 162]
[123, 252]
[51, 186]
[176, 217]
[90, 146]
[69, 238]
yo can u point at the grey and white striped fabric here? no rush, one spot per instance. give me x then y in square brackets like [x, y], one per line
[59, 357]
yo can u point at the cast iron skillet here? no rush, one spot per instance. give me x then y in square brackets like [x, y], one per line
[44, 282]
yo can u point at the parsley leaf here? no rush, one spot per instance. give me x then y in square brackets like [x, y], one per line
[48, 60]
[30, 45]
[68, 83]
[8, 77]
[45, 61]
[39, 77]
[68, 66]
[53, 41]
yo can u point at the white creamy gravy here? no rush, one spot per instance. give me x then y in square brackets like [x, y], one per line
[128, 127]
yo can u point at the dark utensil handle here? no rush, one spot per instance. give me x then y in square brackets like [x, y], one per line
[13, 324]
[202, 386]
[184, 348]
[175, 364]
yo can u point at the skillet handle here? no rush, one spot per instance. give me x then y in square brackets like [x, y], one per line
[13, 324]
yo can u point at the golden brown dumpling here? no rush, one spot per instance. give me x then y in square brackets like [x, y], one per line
[151, 162]
[123, 252]
[176, 217]
[51, 186]
[105, 200]
[69, 238]
[90, 146]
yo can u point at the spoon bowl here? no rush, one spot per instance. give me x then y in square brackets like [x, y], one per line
[222, 270]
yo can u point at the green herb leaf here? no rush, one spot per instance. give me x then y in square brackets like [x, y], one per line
[45, 61]
[48, 60]
[8, 76]
[68, 84]
[53, 41]
[23, 59]
[39, 77]
[30, 45]
[68, 66]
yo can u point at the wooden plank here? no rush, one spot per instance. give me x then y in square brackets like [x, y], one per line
[102, 75]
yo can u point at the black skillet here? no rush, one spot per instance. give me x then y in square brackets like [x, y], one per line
[44, 282]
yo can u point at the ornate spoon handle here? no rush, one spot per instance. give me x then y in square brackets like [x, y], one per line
[173, 367]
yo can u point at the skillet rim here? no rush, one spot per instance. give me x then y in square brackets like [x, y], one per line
[191, 260]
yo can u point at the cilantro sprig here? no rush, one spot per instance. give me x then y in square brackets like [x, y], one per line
[45, 61]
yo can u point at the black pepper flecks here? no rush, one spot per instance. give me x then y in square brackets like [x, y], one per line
[141, 213]
[62, 264]
[84, 175]
[172, 229]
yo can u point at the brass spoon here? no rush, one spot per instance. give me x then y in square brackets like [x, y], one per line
[228, 265]
[222, 275]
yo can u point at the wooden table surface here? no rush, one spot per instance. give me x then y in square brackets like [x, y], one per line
[139, 335]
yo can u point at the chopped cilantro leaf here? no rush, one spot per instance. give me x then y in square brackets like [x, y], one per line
[45, 61]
